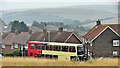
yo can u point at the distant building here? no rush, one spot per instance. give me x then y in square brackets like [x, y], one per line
[34, 29]
[14, 41]
[56, 36]
[7, 43]
[104, 40]
[1, 40]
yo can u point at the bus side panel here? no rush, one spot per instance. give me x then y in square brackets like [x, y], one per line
[32, 52]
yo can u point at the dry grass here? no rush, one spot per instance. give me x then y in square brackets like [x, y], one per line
[19, 61]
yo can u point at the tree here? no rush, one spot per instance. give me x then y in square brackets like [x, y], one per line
[19, 26]
[35, 23]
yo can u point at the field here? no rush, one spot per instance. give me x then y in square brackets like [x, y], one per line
[19, 61]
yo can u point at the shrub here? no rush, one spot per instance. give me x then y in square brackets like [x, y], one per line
[16, 52]
[7, 54]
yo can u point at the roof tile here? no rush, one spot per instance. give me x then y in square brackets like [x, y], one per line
[97, 29]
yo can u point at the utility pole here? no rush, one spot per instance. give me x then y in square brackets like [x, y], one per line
[86, 44]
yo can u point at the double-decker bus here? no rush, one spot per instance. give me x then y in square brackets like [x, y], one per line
[56, 50]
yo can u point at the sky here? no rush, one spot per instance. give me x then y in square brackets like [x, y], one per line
[30, 4]
[59, 0]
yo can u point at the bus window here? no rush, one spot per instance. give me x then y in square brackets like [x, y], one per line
[51, 47]
[40, 47]
[36, 46]
[43, 47]
[65, 48]
[32, 46]
[47, 47]
[72, 49]
[56, 48]
[80, 50]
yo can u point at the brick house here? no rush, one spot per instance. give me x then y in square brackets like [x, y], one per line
[20, 41]
[14, 41]
[1, 40]
[56, 36]
[7, 45]
[104, 40]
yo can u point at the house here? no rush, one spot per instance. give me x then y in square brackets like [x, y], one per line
[21, 39]
[7, 43]
[56, 36]
[103, 40]
[15, 41]
[20, 42]
[1, 40]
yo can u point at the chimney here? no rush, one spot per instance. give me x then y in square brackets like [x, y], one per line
[98, 22]
[45, 26]
[60, 29]
[44, 30]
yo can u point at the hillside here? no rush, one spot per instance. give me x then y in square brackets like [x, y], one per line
[67, 15]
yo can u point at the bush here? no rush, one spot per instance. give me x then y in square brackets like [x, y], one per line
[16, 52]
[7, 54]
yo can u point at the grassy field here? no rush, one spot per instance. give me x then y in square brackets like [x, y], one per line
[19, 61]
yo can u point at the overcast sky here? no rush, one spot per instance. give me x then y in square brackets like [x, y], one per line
[29, 4]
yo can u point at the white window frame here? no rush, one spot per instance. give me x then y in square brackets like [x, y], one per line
[15, 45]
[3, 46]
[12, 47]
[116, 42]
[115, 53]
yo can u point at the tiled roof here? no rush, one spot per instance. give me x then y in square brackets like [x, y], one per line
[9, 39]
[21, 38]
[35, 35]
[52, 36]
[34, 29]
[98, 29]
[3, 36]
[60, 36]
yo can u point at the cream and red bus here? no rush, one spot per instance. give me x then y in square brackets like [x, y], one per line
[56, 50]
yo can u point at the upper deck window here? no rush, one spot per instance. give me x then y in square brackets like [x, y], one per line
[72, 49]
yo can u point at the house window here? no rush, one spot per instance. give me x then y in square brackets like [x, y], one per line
[115, 53]
[11, 46]
[116, 42]
[15, 45]
[3, 46]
